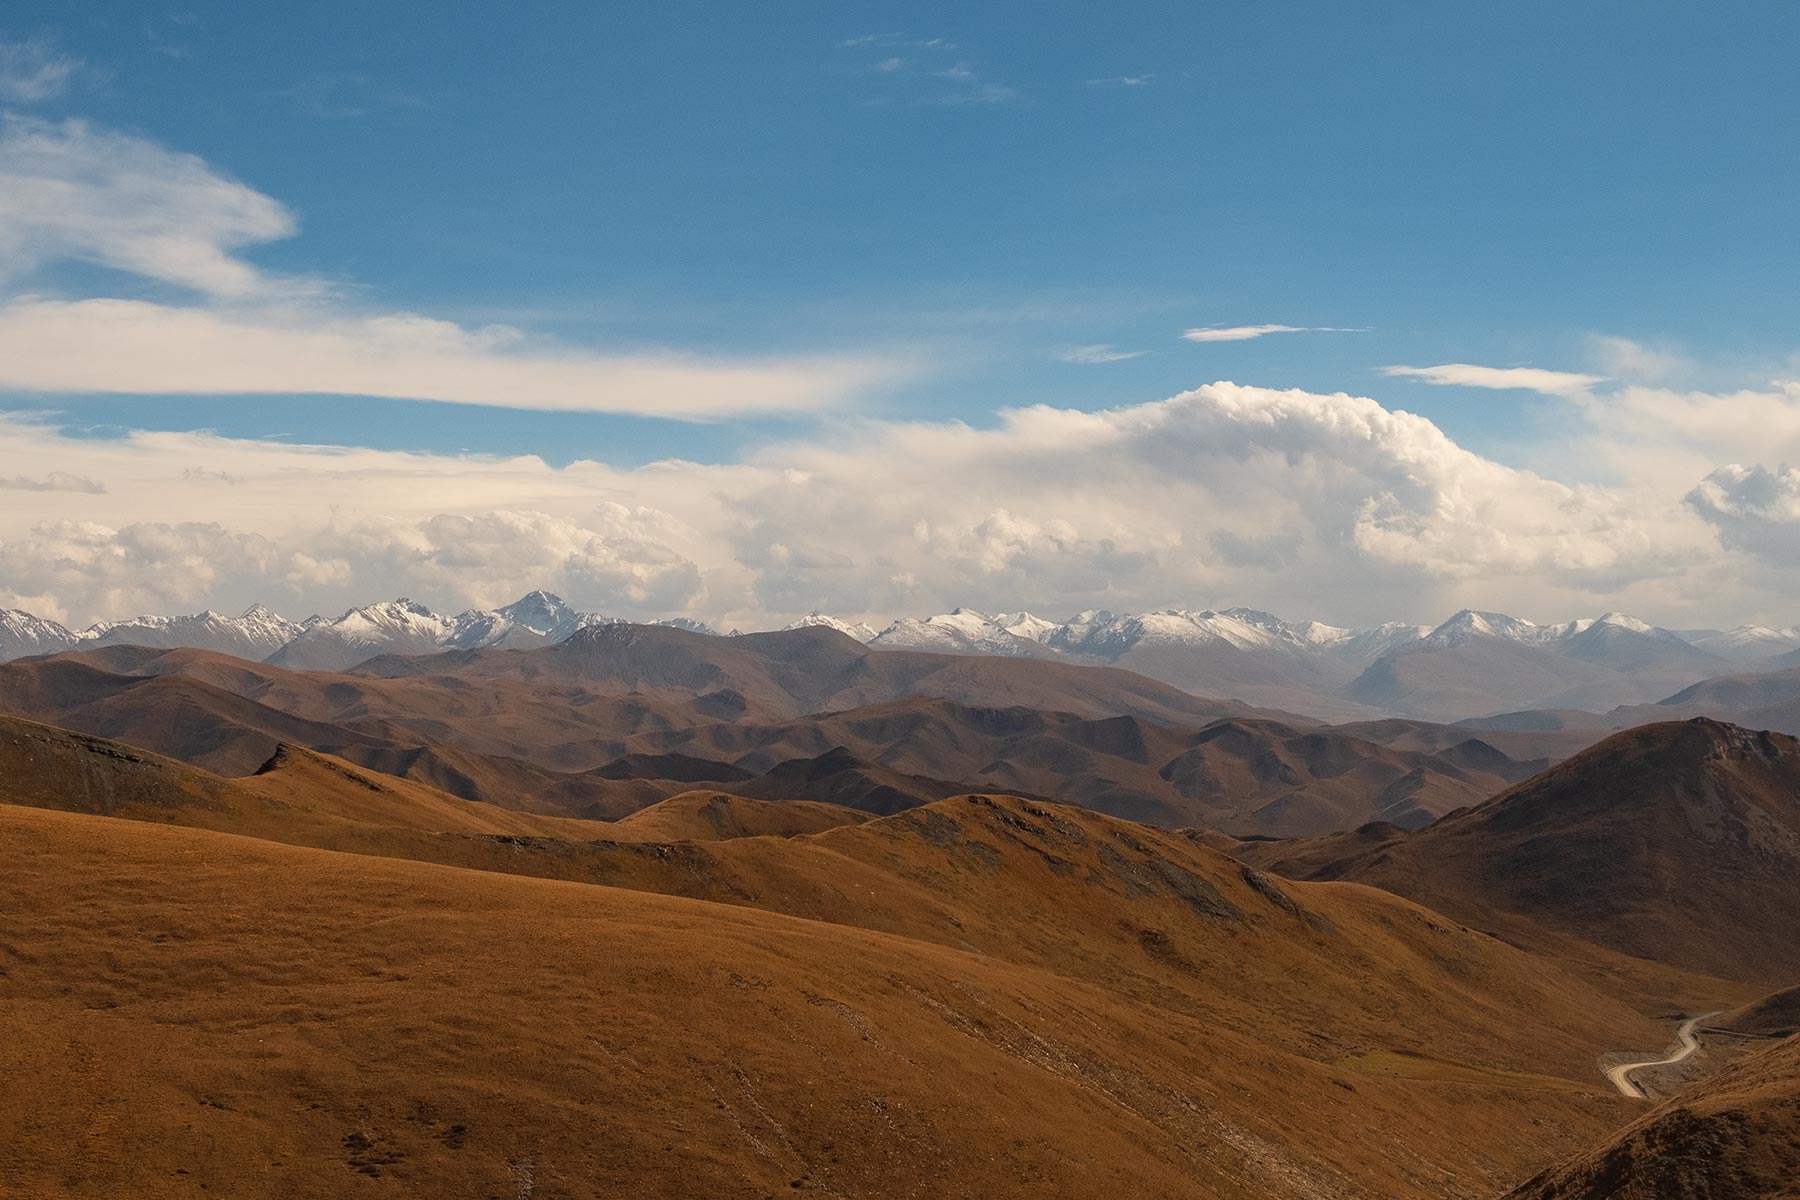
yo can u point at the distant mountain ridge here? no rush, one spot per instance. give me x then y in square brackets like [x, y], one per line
[1474, 664]
[402, 626]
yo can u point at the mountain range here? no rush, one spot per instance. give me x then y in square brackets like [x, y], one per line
[1475, 664]
[616, 717]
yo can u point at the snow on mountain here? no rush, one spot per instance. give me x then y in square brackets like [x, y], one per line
[1244, 652]
[533, 619]
[684, 623]
[1367, 645]
[963, 631]
[255, 634]
[22, 634]
[859, 630]
[400, 626]
[1025, 625]
[1745, 643]
[1105, 635]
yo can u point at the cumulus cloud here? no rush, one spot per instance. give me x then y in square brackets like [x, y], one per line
[611, 559]
[1245, 333]
[71, 191]
[34, 70]
[1323, 506]
[1526, 379]
[1754, 509]
[93, 568]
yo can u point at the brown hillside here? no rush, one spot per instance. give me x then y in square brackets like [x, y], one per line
[717, 816]
[410, 1029]
[1734, 1136]
[547, 731]
[1678, 843]
[1775, 1015]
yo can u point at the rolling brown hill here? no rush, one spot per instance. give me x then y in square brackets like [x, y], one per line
[298, 795]
[1765, 700]
[549, 731]
[1677, 843]
[1733, 1136]
[1773, 1016]
[985, 996]
[718, 816]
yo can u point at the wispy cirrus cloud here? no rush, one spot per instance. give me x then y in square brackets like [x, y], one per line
[347, 97]
[1123, 81]
[73, 190]
[1097, 353]
[1245, 333]
[34, 70]
[892, 41]
[972, 88]
[1524, 379]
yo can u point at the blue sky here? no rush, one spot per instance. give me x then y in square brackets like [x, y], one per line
[922, 211]
[1469, 183]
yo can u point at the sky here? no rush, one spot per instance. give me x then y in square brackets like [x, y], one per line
[1352, 313]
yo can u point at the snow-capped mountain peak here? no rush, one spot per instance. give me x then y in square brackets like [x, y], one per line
[22, 634]
[859, 630]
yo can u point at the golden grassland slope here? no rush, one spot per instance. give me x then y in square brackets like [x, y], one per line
[197, 1011]
[1733, 1136]
[1123, 905]
[299, 796]
[716, 816]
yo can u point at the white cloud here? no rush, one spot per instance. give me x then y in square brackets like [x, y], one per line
[1326, 506]
[93, 568]
[34, 70]
[72, 191]
[1096, 354]
[1244, 333]
[137, 347]
[973, 88]
[1527, 379]
[1754, 509]
[1124, 81]
[1622, 358]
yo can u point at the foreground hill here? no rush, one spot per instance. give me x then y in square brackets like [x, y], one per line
[1734, 1136]
[1076, 1005]
[1678, 843]
[619, 717]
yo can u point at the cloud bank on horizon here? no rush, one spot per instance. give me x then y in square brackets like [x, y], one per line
[1329, 505]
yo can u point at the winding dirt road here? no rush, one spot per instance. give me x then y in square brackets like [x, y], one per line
[1621, 1074]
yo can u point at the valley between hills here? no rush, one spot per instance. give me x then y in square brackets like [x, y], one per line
[646, 911]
